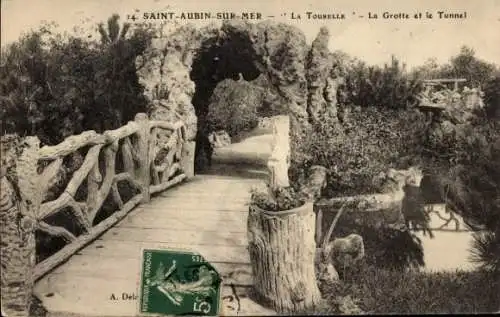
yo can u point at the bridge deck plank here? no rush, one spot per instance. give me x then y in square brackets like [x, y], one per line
[205, 215]
[127, 249]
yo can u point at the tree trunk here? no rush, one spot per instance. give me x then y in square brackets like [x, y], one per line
[282, 251]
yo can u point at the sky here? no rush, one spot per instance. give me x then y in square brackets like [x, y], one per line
[374, 40]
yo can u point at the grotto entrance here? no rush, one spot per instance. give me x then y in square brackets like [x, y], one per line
[192, 71]
[225, 60]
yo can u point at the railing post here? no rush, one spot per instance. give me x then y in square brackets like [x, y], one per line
[20, 201]
[144, 172]
[187, 154]
[187, 162]
[319, 225]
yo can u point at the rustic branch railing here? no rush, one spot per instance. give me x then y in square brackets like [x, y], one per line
[155, 155]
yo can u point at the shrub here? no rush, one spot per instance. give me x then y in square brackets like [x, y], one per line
[373, 86]
[284, 199]
[365, 143]
[386, 291]
[465, 64]
[233, 107]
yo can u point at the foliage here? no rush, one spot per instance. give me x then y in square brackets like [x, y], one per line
[55, 85]
[271, 103]
[389, 86]
[465, 64]
[233, 107]
[387, 291]
[367, 142]
[468, 166]
[492, 96]
[486, 249]
[364, 145]
[284, 199]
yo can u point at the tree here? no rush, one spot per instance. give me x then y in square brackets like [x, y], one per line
[390, 86]
[113, 35]
[466, 65]
[429, 70]
[492, 96]
[476, 71]
[55, 85]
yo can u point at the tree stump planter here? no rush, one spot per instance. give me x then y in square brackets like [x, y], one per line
[282, 251]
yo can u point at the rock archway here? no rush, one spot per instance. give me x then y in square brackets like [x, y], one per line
[180, 71]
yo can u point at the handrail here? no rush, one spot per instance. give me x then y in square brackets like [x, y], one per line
[154, 156]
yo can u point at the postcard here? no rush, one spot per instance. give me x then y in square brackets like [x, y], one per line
[235, 158]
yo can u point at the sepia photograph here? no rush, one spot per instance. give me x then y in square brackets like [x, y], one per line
[234, 158]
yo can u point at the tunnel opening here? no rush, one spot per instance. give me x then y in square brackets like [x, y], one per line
[224, 56]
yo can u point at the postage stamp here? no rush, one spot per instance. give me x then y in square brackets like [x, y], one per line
[176, 282]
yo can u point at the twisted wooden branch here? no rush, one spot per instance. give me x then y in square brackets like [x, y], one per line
[70, 145]
[48, 177]
[102, 193]
[129, 156]
[56, 231]
[127, 177]
[116, 195]
[65, 200]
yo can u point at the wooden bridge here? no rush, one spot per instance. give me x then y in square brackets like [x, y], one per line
[170, 208]
[198, 215]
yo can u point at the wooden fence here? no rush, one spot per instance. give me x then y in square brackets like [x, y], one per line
[155, 155]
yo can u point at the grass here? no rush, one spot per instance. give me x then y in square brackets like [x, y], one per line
[384, 291]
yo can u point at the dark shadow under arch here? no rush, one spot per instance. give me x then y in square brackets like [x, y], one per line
[221, 57]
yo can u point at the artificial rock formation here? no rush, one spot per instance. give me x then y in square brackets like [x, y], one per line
[303, 78]
[346, 251]
[164, 71]
[219, 139]
[281, 52]
[321, 80]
